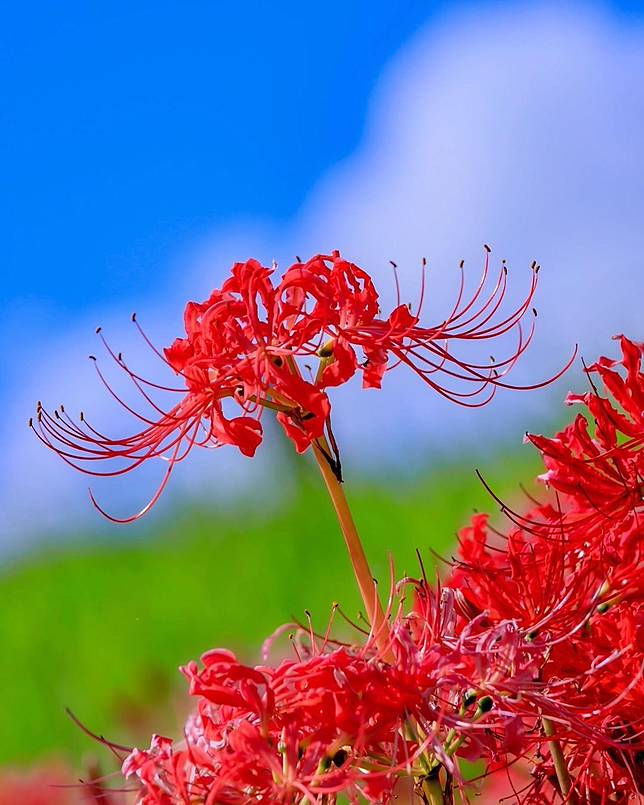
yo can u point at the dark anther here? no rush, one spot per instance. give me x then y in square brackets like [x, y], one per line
[505, 270]
[307, 612]
[469, 698]
[603, 607]
[134, 317]
[82, 416]
[424, 261]
[461, 264]
[487, 248]
[486, 704]
[326, 351]
[394, 265]
[534, 310]
[532, 635]
[31, 422]
[98, 330]
[92, 357]
[298, 258]
[56, 414]
[278, 361]
[308, 415]
[340, 757]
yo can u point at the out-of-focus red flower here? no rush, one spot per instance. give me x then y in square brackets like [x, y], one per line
[46, 785]
[247, 349]
[54, 784]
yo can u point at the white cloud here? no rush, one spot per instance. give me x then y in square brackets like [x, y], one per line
[520, 128]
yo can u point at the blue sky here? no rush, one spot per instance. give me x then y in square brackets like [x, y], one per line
[147, 145]
[129, 127]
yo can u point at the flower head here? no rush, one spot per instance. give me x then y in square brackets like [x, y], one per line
[247, 348]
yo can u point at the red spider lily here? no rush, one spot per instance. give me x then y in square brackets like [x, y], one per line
[339, 720]
[572, 575]
[247, 347]
[602, 476]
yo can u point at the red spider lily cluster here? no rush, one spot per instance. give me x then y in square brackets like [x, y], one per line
[528, 654]
[246, 350]
[526, 658]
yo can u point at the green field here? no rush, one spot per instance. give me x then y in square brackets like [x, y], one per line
[101, 629]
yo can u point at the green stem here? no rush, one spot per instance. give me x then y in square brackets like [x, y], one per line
[357, 555]
[432, 791]
[558, 759]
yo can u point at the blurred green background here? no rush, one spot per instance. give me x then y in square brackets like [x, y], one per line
[101, 628]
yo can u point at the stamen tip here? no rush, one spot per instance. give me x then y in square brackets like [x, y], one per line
[487, 248]
[134, 317]
[98, 330]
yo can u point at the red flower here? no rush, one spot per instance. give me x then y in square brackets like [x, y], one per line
[246, 348]
[602, 476]
[530, 650]
[571, 574]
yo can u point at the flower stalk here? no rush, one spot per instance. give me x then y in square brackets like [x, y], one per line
[558, 760]
[432, 791]
[361, 569]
